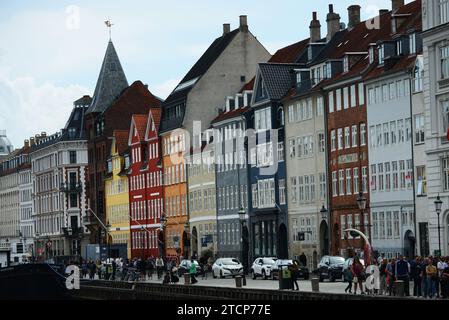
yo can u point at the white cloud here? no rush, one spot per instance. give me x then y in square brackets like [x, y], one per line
[27, 108]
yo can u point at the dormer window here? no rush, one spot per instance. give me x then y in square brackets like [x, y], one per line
[381, 51]
[346, 64]
[298, 79]
[72, 133]
[327, 70]
[126, 162]
[371, 55]
[399, 51]
[412, 40]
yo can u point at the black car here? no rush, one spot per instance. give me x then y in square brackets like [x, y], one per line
[331, 267]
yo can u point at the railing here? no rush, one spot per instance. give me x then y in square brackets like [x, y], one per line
[71, 188]
[5, 246]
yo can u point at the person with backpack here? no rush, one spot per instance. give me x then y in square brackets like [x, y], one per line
[294, 271]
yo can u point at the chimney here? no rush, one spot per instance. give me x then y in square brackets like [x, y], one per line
[32, 141]
[43, 134]
[26, 143]
[333, 23]
[244, 23]
[383, 11]
[315, 29]
[226, 28]
[396, 4]
[353, 16]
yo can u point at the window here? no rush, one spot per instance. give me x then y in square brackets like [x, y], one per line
[393, 132]
[445, 110]
[371, 96]
[346, 98]
[334, 184]
[291, 114]
[399, 47]
[280, 151]
[342, 225]
[262, 119]
[375, 226]
[412, 40]
[347, 138]
[418, 74]
[389, 225]
[446, 174]
[373, 177]
[381, 225]
[353, 96]
[321, 142]
[394, 166]
[72, 157]
[301, 189]
[355, 173]
[363, 134]
[292, 148]
[387, 176]
[444, 11]
[386, 134]
[444, 62]
[392, 91]
[319, 106]
[254, 195]
[338, 98]
[333, 141]
[294, 189]
[341, 179]
[396, 230]
[421, 188]
[354, 136]
[331, 102]
[282, 199]
[300, 147]
[408, 129]
[400, 131]
[379, 135]
[322, 186]
[340, 139]
[348, 181]
[346, 64]
[364, 179]
[384, 93]
[371, 55]
[381, 56]
[402, 173]
[380, 168]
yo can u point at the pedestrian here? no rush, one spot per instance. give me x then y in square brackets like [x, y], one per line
[99, 269]
[432, 278]
[391, 276]
[441, 265]
[303, 259]
[424, 264]
[383, 277]
[159, 267]
[402, 273]
[357, 272]
[114, 269]
[294, 272]
[445, 280]
[150, 267]
[415, 273]
[192, 271]
[348, 277]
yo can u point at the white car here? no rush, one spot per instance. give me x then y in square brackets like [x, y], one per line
[224, 267]
[262, 267]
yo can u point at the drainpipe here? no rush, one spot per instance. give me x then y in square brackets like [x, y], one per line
[410, 74]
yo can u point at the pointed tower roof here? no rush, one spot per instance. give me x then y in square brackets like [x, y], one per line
[111, 82]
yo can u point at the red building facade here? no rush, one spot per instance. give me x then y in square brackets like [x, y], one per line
[145, 185]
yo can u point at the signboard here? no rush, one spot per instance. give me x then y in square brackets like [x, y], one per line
[348, 158]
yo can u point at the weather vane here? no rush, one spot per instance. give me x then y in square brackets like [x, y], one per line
[109, 24]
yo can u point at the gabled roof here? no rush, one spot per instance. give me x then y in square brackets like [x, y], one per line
[154, 115]
[121, 141]
[230, 114]
[202, 65]
[83, 101]
[277, 78]
[139, 122]
[111, 82]
[289, 54]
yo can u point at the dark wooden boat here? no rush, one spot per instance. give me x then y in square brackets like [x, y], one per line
[33, 282]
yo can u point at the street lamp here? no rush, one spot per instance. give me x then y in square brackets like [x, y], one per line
[163, 221]
[361, 202]
[323, 212]
[108, 226]
[187, 231]
[438, 204]
[242, 219]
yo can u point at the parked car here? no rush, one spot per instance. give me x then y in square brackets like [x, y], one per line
[262, 267]
[224, 267]
[303, 271]
[331, 267]
[184, 267]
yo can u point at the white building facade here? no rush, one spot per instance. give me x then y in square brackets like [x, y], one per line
[436, 99]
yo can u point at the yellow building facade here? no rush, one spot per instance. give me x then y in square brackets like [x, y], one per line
[116, 193]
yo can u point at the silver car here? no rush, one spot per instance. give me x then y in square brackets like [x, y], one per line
[225, 267]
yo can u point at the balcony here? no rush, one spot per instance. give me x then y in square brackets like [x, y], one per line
[5, 246]
[73, 232]
[71, 187]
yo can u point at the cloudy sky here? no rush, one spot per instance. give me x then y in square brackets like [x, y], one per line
[51, 51]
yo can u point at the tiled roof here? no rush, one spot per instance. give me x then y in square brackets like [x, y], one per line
[111, 82]
[83, 101]
[289, 54]
[121, 141]
[156, 113]
[140, 122]
[230, 114]
[248, 86]
[277, 78]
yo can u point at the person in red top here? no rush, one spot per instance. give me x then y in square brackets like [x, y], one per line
[357, 272]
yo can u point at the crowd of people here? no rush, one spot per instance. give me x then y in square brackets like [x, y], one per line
[430, 276]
